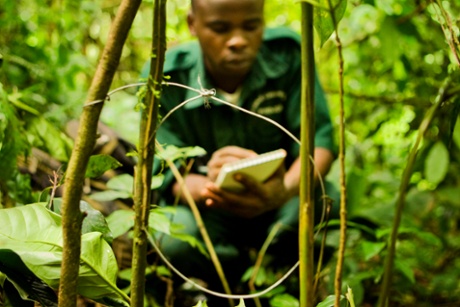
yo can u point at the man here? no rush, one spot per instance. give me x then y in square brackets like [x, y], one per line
[257, 69]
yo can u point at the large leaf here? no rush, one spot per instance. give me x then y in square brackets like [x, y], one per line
[121, 221]
[94, 220]
[26, 283]
[322, 20]
[34, 234]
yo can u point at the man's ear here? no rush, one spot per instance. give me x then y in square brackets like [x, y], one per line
[190, 23]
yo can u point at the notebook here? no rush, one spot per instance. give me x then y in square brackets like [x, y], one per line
[260, 167]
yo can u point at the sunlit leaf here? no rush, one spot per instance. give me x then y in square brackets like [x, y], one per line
[157, 181]
[110, 195]
[99, 164]
[123, 182]
[120, 222]
[322, 20]
[35, 234]
[437, 163]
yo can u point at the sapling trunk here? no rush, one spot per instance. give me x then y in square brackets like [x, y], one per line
[343, 191]
[84, 143]
[389, 259]
[146, 151]
[306, 203]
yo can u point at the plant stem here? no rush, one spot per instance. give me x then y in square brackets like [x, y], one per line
[389, 260]
[146, 152]
[306, 203]
[84, 144]
[343, 190]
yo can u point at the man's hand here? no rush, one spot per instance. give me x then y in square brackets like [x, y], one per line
[225, 155]
[256, 199]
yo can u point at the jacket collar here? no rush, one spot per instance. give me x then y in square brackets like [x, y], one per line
[266, 66]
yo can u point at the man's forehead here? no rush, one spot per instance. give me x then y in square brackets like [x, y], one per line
[224, 4]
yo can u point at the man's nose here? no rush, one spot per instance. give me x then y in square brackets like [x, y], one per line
[237, 41]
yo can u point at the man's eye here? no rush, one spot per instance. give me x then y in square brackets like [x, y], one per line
[219, 28]
[252, 26]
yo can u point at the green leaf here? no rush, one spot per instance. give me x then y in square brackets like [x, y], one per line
[404, 268]
[11, 139]
[322, 18]
[110, 195]
[159, 221]
[157, 181]
[27, 284]
[371, 249]
[46, 136]
[456, 132]
[328, 301]
[35, 234]
[173, 153]
[94, 220]
[284, 300]
[99, 164]
[437, 163]
[120, 222]
[123, 182]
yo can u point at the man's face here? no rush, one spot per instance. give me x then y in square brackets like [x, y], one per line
[230, 34]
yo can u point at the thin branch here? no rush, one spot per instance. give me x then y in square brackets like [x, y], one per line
[71, 216]
[389, 260]
[343, 192]
[146, 152]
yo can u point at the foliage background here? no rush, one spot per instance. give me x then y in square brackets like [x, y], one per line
[396, 58]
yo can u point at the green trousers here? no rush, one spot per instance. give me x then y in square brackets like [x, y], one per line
[233, 238]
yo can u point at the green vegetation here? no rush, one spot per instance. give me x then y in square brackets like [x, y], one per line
[400, 59]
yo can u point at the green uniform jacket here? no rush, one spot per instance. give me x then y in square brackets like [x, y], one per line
[272, 89]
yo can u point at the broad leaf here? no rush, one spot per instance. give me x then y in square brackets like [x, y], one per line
[322, 17]
[34, 233]
[99, 164]
[94, 220]
[121, 221]
[437, 163]
[123, 182]
[27, 284]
